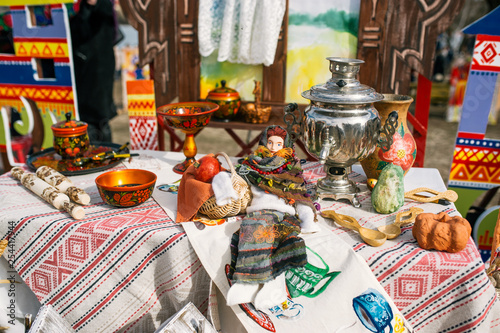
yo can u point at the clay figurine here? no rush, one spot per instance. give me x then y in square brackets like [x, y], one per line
[441, 232]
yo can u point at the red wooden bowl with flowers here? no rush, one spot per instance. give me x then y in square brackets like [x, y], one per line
[126, 188]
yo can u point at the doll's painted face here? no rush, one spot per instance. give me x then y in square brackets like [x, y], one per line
[274, 143]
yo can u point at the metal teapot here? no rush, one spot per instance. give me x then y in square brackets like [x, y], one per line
[340, 127]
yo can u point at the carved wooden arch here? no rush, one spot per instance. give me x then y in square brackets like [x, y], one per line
[155, 22]
[394, 37]
[168, 41]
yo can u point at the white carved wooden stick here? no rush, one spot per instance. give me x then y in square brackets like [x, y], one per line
[78, 195]
[48, 192]
[74, 210]
[63, 184]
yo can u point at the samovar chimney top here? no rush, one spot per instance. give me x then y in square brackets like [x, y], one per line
[344, 68]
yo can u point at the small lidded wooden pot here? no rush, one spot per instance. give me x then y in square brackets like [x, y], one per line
[71, 139]
[228, 100]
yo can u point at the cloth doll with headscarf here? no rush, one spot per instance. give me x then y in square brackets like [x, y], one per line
[268, 243]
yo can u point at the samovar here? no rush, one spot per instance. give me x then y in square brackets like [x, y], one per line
[340, 127]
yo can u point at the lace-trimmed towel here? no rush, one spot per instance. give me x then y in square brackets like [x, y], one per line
[244, 31]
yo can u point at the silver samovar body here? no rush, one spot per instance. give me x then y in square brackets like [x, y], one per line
[340, 127]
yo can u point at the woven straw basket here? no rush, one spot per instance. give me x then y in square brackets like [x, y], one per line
[210, 208]
[257, 115]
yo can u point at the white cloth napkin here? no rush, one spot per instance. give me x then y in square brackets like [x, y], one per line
[223, 189]
[244, 31]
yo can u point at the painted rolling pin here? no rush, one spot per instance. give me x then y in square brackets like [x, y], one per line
[48, 192]
[63, 184]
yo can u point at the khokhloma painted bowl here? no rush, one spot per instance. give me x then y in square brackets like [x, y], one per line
[126, 188]
[189, 117]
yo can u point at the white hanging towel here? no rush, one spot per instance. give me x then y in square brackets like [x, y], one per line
[244, 31]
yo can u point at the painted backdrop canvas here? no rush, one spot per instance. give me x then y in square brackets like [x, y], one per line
[327, 29]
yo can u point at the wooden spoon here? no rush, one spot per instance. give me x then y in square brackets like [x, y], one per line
[369, 236]
[393, 230]
[448, 195]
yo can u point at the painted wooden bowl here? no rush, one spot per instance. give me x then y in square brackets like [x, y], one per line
[126, 188]
[189, 117]
[71, 139]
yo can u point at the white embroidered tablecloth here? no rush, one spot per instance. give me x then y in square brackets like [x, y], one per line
[435, 291]
[129, 269]
[118, 269]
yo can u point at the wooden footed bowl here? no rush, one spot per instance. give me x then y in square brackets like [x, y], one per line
[189, 117]
[126, 188]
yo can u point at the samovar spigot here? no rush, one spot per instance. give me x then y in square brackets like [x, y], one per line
[326, 146]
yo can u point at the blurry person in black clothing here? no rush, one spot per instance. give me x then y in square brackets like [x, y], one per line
[94, 32]
[6, 38]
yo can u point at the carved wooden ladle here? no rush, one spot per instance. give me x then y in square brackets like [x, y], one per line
[449, 195]
[393, 230]
[369, 236]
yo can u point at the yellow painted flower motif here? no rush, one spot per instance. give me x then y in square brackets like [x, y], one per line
[270, 182]
[399, 326]
[292, 186]
[265, 234]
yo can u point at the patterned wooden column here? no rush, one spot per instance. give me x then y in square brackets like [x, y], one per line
[395, 37]
[476, 160]
[155, 22]
[188, 61]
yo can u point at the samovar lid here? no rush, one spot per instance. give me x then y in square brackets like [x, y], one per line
[343, 87]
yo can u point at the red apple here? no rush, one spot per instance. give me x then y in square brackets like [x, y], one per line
[206, 168]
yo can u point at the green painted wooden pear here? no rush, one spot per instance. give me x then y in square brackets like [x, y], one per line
[388, 195]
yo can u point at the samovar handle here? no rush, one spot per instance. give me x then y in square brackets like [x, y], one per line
[293, 126]
[387, 131]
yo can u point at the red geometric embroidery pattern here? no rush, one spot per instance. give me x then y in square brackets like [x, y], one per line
[41, 282]
[83, 242]
[486, 53]
[477, 164]
[425, 275]
[143, 133]
[40, 93]
[141, 105]
[411, 287]
[77, 248]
